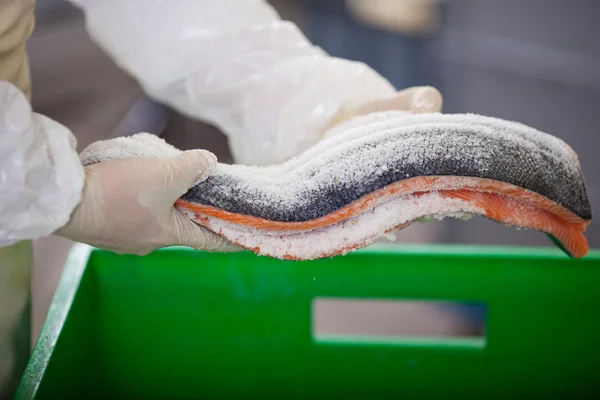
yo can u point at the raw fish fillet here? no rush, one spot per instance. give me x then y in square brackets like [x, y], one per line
[382, 172]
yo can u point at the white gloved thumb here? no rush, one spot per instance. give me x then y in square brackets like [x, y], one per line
[169, 178]
[183, 172]
[187, 169]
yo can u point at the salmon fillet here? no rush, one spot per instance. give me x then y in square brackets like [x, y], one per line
[516, 211]
[382, 172]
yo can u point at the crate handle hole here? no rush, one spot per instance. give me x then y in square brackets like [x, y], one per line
[346, 320]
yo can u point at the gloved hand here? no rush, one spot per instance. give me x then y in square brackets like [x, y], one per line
[127, 205]
[415, 100]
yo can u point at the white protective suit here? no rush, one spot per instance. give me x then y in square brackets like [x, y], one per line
[232, 63]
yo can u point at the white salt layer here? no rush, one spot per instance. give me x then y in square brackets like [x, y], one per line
[350, 234]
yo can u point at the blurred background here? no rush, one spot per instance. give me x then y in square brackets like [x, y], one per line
[532, 61]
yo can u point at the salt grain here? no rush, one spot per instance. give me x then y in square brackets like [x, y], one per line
[390, 236]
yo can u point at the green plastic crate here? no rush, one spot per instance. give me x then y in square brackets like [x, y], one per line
[182, 324]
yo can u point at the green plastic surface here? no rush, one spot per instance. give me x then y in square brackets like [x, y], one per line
[182, 324]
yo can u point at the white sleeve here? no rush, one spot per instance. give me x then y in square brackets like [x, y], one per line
[41, 178]
[235, 64]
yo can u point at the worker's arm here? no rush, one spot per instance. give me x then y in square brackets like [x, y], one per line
[40, 175]
[236, 64]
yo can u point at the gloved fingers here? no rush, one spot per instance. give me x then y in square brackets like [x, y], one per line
[414, 100]
[228, 247]
[185, 170]
[195, 236]
[418, 100]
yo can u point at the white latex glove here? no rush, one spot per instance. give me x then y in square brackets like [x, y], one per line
[237, 65]
[415, 100]
[127, 204]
